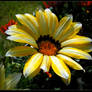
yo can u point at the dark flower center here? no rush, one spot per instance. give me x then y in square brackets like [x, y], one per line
[47, 45]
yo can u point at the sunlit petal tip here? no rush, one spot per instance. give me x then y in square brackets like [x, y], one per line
[71, 16]
[18, 15]
[8, 54]
[25, 74]
[83, 70]
[44, 68]
[6, 31]
[40, 10]
[12, 26]
[79, 24]
[48, 10]
[26, 14]
[89, 58]
[8, 38]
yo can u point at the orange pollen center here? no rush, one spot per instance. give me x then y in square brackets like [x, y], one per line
[47, 48]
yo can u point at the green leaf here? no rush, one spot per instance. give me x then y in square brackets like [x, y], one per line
[12, 80]
[2, 76]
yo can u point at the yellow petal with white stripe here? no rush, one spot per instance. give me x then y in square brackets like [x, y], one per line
[21, 51]
[45, 66]
[42, 21]
[75, 53]
[31, 22]
[34, 73]
[59, 67]
[84, 47]
[70, 62]
[32, 64]
[17, 29]
[76, 41]
[52, 21]
[72, 31]
[22, 38]
[64, 25]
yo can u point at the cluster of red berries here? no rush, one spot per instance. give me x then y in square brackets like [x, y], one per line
[3, 28]
[55, 3]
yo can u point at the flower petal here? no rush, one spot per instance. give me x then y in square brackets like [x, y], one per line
[32, 64]
[34, 73]
[17, 29]
[23, 39]
[21, 51]
[64, 25]
[59, 67]
[84, 47]
[75, 53]
[42, 21]
[76, 41]
[45, 66]
[52, 21]
[70, 62]
[67, 81]
[31, 22]
[72, 31]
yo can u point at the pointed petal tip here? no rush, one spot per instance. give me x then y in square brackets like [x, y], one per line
[25, 74]
[8, 38]
[67, 83]
[70, 15]
[89, 58]
[17, 15]
[48, 10]
[83, 70]
[26, 14]
[6, 31]
[7, 54]
[44, 68]
[66, 76]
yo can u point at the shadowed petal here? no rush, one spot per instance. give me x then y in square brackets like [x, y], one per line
[23, 39]
[76, 41]
[21, 51]
[42, 21]
[72, 31]
[17, 29]
[32, 64]
[29, 21]
[59, 67]
[45, 64]
[64, 25]
[70, 62]
[75, 53]
[52, 21]
[84, 47]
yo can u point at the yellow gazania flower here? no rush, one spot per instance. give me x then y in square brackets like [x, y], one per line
[52, 43]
